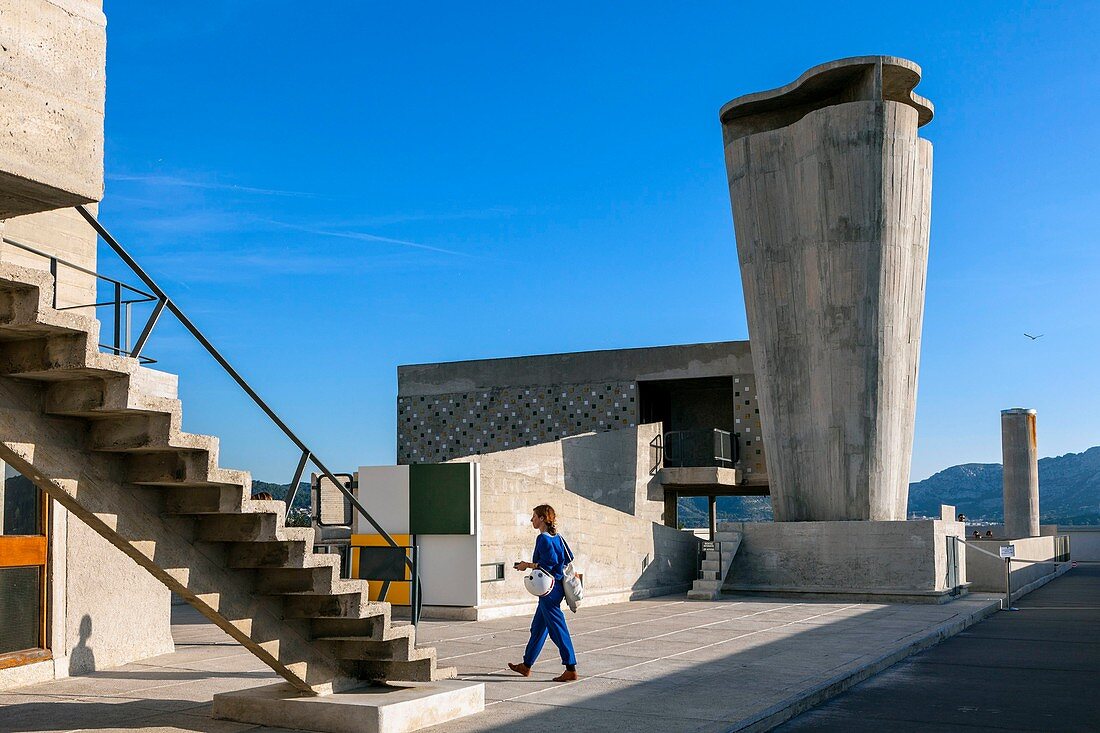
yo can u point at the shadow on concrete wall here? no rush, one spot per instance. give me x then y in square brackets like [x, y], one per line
[602, 467]
[672, 566]
[82, 658]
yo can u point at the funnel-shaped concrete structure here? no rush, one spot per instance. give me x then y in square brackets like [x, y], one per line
[831, 194]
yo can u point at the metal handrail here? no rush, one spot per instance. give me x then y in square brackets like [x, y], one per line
[118, 302]
[163, 302]
[723, 441]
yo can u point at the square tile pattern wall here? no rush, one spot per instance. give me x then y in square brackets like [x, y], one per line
[437, 428]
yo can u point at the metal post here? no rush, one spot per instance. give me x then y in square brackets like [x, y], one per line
[1008, 585]
[713, 501]
[53, 271]
[414, 592]
[118, 318]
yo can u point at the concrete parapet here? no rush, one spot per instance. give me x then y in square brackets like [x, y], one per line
[831, 193]
[1020, 451]
[987, 572]
[906, 561]
[52, 89]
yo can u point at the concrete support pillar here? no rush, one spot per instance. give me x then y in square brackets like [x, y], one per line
[671, 513]
[831, 192]
[1020, 451]
[712, 512]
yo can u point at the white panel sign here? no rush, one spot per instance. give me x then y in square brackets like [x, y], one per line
[384, 492]
[1008, 551]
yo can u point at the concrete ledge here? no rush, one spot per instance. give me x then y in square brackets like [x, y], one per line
[811, 697]
[856, 595]
[381, 709]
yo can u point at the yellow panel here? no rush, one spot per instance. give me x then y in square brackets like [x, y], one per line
[398, 594]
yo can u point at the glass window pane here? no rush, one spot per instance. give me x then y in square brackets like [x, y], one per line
[21, 506]
[20, 609]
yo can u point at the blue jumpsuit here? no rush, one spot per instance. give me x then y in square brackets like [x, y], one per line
[550, 556]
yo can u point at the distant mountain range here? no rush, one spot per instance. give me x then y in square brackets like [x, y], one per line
[1069, 493]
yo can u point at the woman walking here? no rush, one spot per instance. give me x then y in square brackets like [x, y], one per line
[551, 557]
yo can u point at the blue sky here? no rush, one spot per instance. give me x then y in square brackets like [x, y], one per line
[334, 189]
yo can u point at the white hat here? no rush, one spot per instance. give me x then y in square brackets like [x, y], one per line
[538, 583]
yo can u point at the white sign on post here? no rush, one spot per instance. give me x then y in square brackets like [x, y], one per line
[1008, 551]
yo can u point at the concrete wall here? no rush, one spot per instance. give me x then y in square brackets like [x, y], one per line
[611, 468]
[831, 192]
[622, 555]
[1084, 542]
[903, 560]
[52, 88]
[988, 573]
[446, 411]
[104, 609]
[64, 234]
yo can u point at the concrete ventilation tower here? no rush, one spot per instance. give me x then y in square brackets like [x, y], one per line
[1020, 453]
[831, 192]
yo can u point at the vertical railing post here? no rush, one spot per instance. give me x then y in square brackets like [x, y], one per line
[53, 272]
[414, 592]
[118, 318]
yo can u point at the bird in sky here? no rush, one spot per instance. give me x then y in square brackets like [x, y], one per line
[1034, 337]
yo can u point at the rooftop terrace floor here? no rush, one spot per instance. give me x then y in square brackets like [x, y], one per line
[661, 664]
[1035, 669]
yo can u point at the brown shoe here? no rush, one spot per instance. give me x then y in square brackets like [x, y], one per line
[567, 676]
[520, 669]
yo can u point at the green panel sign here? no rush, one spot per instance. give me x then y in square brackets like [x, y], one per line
[441, 498]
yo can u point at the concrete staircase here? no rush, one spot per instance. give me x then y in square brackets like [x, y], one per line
[715, 566]
[101, 435]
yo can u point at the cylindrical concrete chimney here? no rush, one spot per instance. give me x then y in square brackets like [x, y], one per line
[1021, 472]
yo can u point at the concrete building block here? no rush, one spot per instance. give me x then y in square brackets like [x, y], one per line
[391, 709]
[987, 573]
[52, 87]
[1020, 451]
[831, 190]
[890, 560]
[62, 233]
[622, 555]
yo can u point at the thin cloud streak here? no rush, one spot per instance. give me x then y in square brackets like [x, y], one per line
[208, 185]
[364, 236]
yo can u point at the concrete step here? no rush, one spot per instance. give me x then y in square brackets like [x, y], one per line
[714, 565]
[158, 494]
[422, 670]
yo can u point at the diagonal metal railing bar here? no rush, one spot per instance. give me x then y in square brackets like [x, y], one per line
[174, 309]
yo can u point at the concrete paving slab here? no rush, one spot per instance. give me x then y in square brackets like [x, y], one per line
[1026, 670]
[649, 665]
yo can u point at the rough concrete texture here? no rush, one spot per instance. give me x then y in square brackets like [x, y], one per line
[897, 560]
[1020, 451]
[586, 367]
[381, 709]
[831, 193]
[611, 468]
[745, 663]
[987, 573]
[621, 554]
[52, 87]
[62, 233]
[1084, 542]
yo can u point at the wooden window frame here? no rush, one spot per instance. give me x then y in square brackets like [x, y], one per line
[32, 551]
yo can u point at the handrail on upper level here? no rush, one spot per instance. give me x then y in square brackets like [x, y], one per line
[165, 302]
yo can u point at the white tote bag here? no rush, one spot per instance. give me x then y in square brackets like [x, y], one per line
[572, 582]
